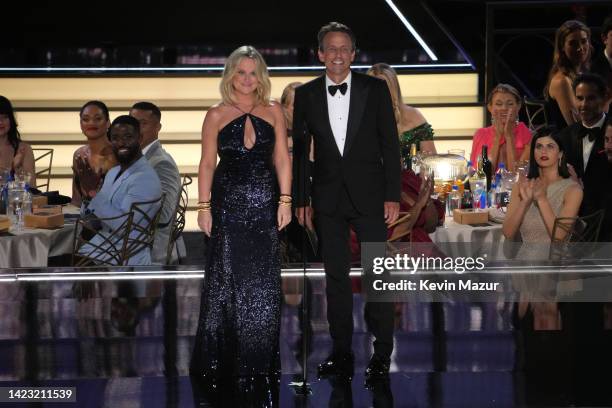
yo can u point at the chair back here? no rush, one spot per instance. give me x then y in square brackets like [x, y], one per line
[109, 248]
[43, 161]
[574, 230]
[536, 113]
[144, 225]
[177, 227]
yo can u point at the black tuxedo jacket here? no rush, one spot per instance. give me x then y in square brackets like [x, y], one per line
[596, 177]
[370, 166]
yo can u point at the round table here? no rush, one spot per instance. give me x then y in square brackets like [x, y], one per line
[32, 247]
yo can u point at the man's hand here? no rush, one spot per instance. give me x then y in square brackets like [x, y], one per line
[391, 211]
[304, 216]
[574, 175]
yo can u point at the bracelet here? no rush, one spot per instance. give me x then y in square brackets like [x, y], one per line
[203, 202]
[285, 203]
[203, 209]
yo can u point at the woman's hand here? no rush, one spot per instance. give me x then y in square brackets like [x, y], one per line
[539, 189]
[205, 222]
[283, 216]
[525, 191]
[89, 180]
[510, 125]
[19, 157]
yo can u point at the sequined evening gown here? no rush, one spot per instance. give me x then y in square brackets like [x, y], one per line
[238, 328]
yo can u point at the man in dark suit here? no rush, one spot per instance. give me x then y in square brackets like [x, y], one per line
[354, 182]
[584, 144]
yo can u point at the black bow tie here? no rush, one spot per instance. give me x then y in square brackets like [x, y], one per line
[335, 88]
[591, 133]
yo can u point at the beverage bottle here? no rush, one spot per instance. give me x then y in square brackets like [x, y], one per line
[415, 159]
[469, 172]
[455, 198]
[478, 185]
[491, 196]
[486, 166]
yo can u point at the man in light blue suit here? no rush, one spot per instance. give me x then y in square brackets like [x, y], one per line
[132, 181]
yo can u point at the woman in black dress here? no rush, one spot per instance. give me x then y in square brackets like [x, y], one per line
[241, 210]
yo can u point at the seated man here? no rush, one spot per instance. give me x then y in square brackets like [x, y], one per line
[149, 117]
[132, 180]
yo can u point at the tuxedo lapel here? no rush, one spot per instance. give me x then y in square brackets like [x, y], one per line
[359, 94]
[595, 151]
[577, 144]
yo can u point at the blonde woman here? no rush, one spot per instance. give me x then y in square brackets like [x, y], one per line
[412, 127]
[287, 103]
[240, 210]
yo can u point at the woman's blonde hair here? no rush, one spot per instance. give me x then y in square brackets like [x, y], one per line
[261, 71]
[390, 76]
[289, 89]
[504, 88]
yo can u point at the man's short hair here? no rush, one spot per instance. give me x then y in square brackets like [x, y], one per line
[335, 27]
[592, 79]
[125, 120]
[606, 26]
[148, 106]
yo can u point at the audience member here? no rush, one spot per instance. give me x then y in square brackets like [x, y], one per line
[412, 126]
[584, 143]
[506, 138]
[548, 192]
[149, 117]
[15, 155]
[571, 56]
[287, 104]
[91, 161]
[133, 180]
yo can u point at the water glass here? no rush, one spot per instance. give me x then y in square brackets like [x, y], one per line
[16, 208]
[458, 152]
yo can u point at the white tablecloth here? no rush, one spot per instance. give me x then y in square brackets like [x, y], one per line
[464, 240]
[31, 247]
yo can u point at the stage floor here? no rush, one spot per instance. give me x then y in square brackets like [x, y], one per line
[129, 343]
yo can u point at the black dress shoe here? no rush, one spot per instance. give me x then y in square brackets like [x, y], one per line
[378, 369]
[341, 365]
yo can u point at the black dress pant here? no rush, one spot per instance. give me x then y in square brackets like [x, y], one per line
[334, 236]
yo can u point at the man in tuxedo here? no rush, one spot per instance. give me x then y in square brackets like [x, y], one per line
[354, 182]
[149, 117]
[584, 144]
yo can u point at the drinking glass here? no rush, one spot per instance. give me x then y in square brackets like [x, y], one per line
[16, 199]
[458, 152]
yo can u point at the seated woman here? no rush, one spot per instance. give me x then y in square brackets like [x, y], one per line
[571, 57]
[15, 155]
[412, 126]
[547, 193]
[506, 138]
[91, 161]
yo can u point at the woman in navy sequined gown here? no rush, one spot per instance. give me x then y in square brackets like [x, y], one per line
[241, 210]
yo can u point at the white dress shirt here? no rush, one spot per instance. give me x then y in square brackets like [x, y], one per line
[587, 145]
[149, 146]
[338, 111]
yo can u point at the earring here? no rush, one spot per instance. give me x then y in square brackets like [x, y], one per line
[492, 120]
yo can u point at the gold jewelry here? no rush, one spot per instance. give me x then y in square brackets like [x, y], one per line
[285, 203]
[203, 209]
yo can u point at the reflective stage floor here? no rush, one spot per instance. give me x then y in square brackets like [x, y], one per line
[128, 344]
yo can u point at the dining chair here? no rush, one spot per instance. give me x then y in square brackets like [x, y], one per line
[143, 226]
[109, 248]
[176, 230]
[43, 157]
